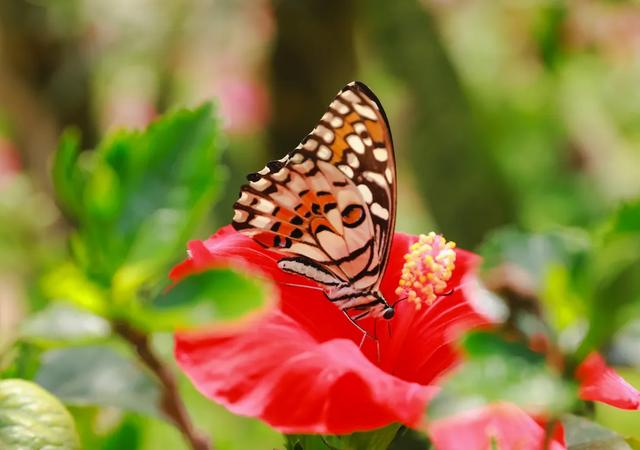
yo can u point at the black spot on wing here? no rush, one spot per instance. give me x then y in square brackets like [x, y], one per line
[322, 227]
[275, 166]
[330, 206]
[353, 215]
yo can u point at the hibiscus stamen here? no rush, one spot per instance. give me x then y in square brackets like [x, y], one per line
[427, 268]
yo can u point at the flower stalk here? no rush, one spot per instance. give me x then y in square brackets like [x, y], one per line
[170, 403]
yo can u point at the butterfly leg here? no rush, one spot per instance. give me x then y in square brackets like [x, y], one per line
[364, 336]
[365, 333]
[353, 321]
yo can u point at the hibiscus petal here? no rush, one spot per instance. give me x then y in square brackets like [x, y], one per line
[601, 383]
[297, 296]
[279, 372]
[300, 368]
[228, 248]
[503, 423]
[420, 345]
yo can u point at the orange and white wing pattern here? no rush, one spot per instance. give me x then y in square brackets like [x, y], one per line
[329, 206]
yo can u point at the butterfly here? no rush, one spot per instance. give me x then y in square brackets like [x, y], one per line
[329, 206]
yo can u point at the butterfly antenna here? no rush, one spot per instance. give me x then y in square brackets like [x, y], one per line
[305, 286]
[398, 301]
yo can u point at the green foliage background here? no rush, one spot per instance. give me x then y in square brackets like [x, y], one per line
[517, 131]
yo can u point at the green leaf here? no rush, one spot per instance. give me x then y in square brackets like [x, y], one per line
[376, 440]
[410, 439]
[219, 294]
[582, 434]
[68, 283]
[63, 323]
[614, 277]
[379, 439]
[533, 253]
[127, 436]
[497, 370]
[26, 214]
[138, 197]
[102, 195]
[615, 302]
[97, 375]
[22, 361]
[625, 220]
[32, 419]
[564, 305]
[634, 443]
[625, 348]
[479, 345]
[542, 265]
[67, 179]
[169, 179]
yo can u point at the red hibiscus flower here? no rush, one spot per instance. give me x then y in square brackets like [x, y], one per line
[500, 425]
[301, 368]
[511, 428]
[599, 382]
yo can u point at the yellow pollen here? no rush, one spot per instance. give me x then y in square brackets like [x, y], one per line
[427, 268]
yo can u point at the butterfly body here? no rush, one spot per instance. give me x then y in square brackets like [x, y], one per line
[328, 207]
[369, 302]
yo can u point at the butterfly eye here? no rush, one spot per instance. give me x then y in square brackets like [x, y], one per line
[388, 313]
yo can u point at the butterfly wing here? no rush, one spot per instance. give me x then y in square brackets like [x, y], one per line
[329, 206]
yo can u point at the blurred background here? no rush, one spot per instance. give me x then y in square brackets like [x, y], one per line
[520, 113]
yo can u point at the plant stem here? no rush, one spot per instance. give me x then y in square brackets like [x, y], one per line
[170, 403]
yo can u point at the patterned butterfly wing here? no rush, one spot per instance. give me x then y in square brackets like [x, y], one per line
[329, 206]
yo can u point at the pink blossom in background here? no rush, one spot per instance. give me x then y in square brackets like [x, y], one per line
[500, 425]
[9, 161]
[243, 104]
[128, 110]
